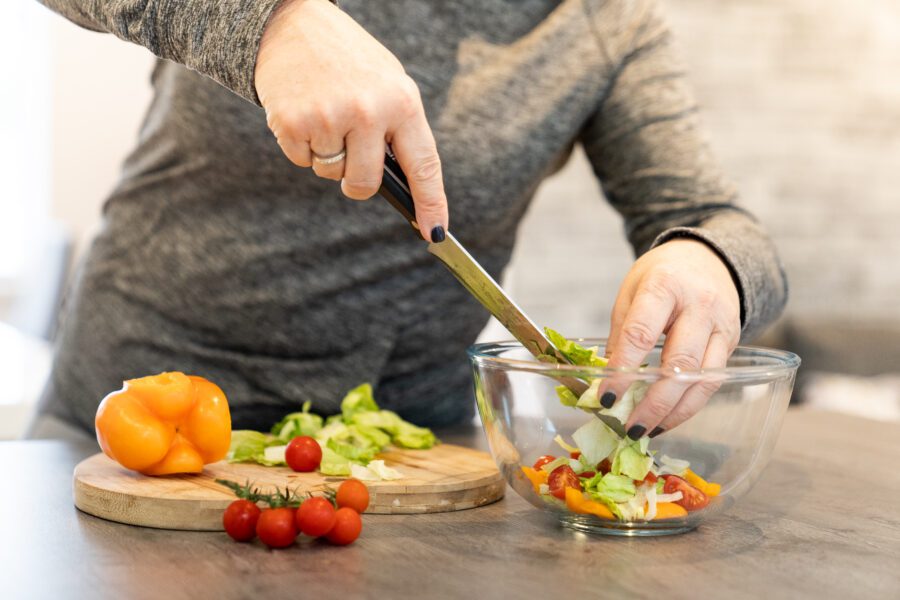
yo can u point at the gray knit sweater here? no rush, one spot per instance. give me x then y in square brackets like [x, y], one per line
[218, 257]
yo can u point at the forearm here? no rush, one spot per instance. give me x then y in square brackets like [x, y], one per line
[647, 147]
[218, 38]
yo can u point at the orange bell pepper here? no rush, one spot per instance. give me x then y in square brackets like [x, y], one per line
[164, 424]
[708, 488]
[577, 503]
[537, 477]
[668, 510]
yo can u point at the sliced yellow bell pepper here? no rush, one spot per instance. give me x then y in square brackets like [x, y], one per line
[577, 503]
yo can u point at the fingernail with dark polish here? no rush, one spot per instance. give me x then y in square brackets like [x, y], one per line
[607, 399]
[636, 432]
[656, 431]
[437, 234]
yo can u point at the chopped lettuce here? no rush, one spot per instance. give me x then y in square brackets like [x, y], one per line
[576, 354]
[624, 406]
[632, 459]
[616, 488]
[250, 446]
[334, 464]
[376, 470]
[361, 431]
[558, 462]
[359, 399]
[403, 433]
[275, 454]
[566, 396]
[297, 423]
[595, 440]
[352, 444]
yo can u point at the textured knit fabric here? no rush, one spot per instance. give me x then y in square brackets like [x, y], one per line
[218, 257]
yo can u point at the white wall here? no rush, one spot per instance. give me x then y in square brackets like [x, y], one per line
[100, 92]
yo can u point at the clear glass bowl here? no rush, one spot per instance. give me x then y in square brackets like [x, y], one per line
[728, 442]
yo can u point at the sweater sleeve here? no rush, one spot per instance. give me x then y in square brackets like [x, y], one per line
[218, 38]
[646, 146]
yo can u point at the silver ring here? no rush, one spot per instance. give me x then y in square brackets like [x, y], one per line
[330, 160]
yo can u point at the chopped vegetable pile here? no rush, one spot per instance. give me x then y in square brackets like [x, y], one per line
[349, 441]
[609, 476]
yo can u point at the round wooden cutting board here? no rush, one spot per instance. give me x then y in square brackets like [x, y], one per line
[443, 478]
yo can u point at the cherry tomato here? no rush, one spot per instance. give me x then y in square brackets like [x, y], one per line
[560, 478]
[543, 460]
[692, 498]
[347, 526]
[650, 478]
[576, 454]
[303, 454]
[587, 474]
[315, 517]
[276, 527]
[240, 520]
[605, 466]
[354, 494]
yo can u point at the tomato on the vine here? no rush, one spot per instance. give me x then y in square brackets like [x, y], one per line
[560, 478]
[354, 494]
[316, 517]
[303, 454]
[691, 498]
[347, 527]
[240, 520]
[276, 527]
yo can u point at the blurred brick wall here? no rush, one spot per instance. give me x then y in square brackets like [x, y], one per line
[802, 103]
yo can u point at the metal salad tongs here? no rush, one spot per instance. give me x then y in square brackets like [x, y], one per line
[395, 189]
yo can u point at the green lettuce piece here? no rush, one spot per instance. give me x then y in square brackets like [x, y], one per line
[632, 459]
[333, 463]
[414, 437]
[378, 437]
[297, 423]
[575, 353]
[617, 488]
[566, 396]
[352, 444]
[359, 399]
[250, 446]
[403, 433]
[624, 406]
[595, 440]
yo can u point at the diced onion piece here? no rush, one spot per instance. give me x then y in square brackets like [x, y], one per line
[544, 489]
[673, 497]
[675, 466]
[651, 502]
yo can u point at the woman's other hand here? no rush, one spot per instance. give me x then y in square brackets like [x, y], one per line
[684, 290]
[328, 86]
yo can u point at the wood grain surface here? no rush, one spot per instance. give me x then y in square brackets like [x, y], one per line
[823, 522]
[444, 478]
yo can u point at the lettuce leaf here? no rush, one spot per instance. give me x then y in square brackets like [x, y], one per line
[250, 446]
[353, 445]
[575, 353]
[631, 459]
[566, 396]
[595, 440]
[403, 433]
[297, 423]
[616, 488]
[333, 463]
[359, 399]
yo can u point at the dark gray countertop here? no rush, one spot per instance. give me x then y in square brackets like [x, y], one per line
[824, 521]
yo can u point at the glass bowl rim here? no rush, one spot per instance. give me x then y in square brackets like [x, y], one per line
[783, 362]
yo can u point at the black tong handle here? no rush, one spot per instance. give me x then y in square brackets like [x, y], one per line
[395, 189]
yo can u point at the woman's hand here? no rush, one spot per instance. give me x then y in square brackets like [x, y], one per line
[683, 289]
[328, 86]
